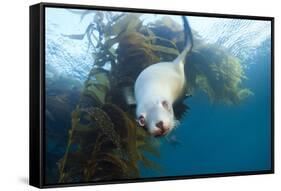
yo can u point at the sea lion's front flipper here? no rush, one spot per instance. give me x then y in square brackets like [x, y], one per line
[128, 93]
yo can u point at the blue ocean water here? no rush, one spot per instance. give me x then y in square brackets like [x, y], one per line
[213, 137]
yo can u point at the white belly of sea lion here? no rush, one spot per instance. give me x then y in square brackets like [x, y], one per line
[163, 80]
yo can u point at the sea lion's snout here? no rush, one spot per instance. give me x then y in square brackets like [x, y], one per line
[161, 129]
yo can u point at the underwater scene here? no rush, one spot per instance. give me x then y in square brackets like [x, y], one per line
[139, 95]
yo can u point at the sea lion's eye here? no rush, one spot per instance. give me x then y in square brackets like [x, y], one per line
[165, 104]
[141, 121]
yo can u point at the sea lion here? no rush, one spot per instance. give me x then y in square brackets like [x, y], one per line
[156, 89]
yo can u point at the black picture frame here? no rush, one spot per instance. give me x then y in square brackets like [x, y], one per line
[37, 93]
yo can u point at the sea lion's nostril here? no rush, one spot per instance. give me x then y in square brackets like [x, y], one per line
[160, 125]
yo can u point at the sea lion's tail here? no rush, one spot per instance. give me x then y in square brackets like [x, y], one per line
[188, 42]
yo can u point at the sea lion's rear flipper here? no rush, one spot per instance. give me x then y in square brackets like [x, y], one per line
[188, 42]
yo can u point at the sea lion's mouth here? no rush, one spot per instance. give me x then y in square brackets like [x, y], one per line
[162, 133]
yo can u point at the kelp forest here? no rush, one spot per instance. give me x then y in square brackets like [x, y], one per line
[93, 123]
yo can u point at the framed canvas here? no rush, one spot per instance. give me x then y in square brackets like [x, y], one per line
[122, 95]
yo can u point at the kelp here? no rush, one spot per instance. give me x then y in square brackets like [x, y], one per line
[220, 79]
[93, 147]
[104, 144]
[97, 85]
[104, 141]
